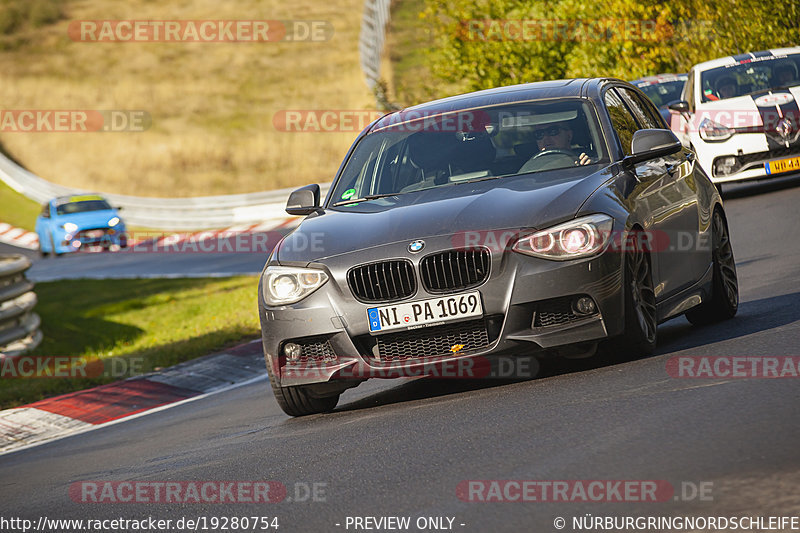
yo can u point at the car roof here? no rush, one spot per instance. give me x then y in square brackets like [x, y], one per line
[750, 56]
[578, 87]
[59, 200]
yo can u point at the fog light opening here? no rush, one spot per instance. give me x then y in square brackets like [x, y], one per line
[584, 306]
[292, 351]
[725, 165]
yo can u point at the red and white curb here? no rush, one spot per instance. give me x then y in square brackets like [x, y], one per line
[28, 239]
[78, 412]
[18, 237]
[178, 238]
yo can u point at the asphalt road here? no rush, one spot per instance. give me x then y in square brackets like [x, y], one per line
[229, 256]
[395, 448]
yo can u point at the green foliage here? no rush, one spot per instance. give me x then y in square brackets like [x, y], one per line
[482, 44]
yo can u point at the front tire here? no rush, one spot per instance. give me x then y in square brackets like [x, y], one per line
[299, 400]
[53, 247]
[724, 302]
[641, 321]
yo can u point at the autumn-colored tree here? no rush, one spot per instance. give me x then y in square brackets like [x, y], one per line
[480, 44]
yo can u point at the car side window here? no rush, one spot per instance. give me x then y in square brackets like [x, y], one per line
[621, 119]
[45, 211]
[650, 111]
[644, 120]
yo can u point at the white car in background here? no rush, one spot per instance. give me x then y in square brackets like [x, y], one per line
[740, 115]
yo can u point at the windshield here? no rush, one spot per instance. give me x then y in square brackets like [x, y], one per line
[82, 207]
[663, 93]
[413, 152]
[750, 76]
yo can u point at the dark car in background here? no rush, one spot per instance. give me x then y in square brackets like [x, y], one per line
[538, 219]
[662, 90]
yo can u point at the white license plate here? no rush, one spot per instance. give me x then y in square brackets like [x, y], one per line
[94, 233]
[423, 313]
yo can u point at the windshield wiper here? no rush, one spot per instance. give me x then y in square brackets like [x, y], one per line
[476, 180]
[365, 198]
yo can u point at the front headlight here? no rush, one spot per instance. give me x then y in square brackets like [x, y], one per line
[287, 285]
[69, 227]
[113, 221]
[712, 131]
[578, 238]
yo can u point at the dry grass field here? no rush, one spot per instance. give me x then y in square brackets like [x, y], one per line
[211, 104]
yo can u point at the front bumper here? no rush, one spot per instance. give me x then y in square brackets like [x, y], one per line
[750, 150]
[526, 303]
[92, 239]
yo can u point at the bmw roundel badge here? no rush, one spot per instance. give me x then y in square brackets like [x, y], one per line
[416, 246]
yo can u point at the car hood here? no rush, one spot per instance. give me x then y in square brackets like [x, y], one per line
[90, 219]
[750, 111]
[517, 202]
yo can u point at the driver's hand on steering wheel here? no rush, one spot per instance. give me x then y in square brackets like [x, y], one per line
[583, 159]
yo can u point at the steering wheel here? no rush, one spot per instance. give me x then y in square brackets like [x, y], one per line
[553, 158]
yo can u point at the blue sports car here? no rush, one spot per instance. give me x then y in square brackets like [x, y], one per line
[84, 222]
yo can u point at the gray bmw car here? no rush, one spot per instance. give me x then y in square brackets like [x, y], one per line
[535, 220]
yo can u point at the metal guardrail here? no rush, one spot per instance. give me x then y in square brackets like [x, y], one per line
[202, 212]
[206, 212]
[19, 325]
[372, 37]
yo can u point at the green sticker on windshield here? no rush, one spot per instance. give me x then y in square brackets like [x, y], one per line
[349, 193]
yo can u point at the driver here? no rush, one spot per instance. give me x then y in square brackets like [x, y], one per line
[726, 87]
[558, 136]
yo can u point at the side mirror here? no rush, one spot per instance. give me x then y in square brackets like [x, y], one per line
[681, 106]
[304, 200]
[119, 208]
[649, 144]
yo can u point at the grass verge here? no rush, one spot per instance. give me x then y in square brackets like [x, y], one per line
[139, 324]
[17, 210]
[211, 104]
